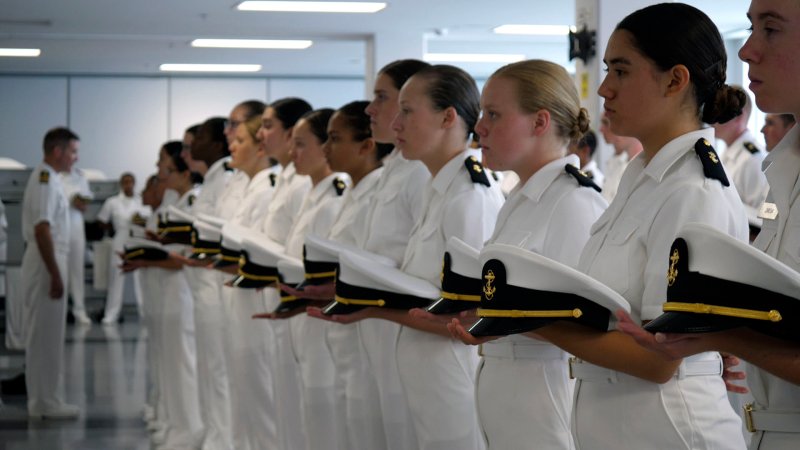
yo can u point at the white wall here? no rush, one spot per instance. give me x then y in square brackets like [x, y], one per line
[122, 121]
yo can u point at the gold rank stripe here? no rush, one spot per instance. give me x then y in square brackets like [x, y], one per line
[519, 314]
[701, 308]
[320, 275]
[229, 258]
[251, 276]
[288, 298]
[462, 297]
[350, 301]
[134, 253]
[176, 229]
[205, 250]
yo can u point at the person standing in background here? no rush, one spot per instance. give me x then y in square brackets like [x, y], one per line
[775, 128]
[76, 188]
[45, 229]
[584, 147]
[625, 148]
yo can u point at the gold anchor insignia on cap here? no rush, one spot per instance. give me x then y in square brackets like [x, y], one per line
[488, 289]
[672, 273]
[713, 157]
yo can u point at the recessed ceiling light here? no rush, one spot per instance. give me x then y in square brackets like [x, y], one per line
[538, 30]
[209, 67]
[473, 57]
[283, 44]
[21, 52]
[326, 7]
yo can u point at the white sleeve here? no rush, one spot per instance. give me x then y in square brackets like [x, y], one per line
[105, 211]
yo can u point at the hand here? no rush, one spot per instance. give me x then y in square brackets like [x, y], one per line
[420, 313]
[202, 263]
[459, 332]
[79, 203]
[325, 292]
[56, 287]
[729, 375]
[344, 319]
[673, 346]
[278, 316]
[130, 265]
[149, 234]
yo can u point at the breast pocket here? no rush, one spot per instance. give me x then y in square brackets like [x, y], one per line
[790, 247]
[619, 265]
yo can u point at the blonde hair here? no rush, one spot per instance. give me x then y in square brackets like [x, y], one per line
[252, 125]
[545, 85]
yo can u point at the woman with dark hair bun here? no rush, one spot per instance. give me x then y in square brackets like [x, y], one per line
[666, 76]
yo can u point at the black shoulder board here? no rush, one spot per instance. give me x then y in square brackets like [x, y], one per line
[273, 179]
[751, 147]
[227, 167]
[44, 177]
[191, 199]
[712, 168]
[476, 171]
[583, 179]
[339, 185]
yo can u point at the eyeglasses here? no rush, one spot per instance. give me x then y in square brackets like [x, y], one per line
[232, 124]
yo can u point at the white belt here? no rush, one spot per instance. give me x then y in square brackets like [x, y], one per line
[515, 350]
[781, 422]
[585, 371]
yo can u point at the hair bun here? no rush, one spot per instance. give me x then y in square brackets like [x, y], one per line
[581, 124]
[726, 103]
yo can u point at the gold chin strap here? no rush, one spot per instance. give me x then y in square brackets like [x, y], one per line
[701, 308]
[229, 258]
[288, 298]
[134, 253]
[519, 314]
[251, 276]
[350, 301]
[462, 297]
[166, 230]
[321, 275]
[204, 250]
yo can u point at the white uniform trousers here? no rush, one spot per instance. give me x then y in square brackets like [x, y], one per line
[116, 284]
[75, 281]
[15, 309]
[151, 322]
[323, 420]
[689, 412]
[45, 320]
[438, 376]
[288, 393]
[212, 372]
[524, 396]
[356, 390]
[177, 367]
[379, 340]
[250, 372]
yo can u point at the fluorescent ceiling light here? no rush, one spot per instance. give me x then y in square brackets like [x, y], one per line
[210, 67]
[22, 52]
[284, 44]
[473, 57]
[538, 30]
[326, 7]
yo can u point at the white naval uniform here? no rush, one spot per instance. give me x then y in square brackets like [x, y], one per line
[290, 190]
[615, 167]
[323, 420]
[438, 373]
[780, 238]
[523, 390]
[3, 246]
[209, 320]
[744, 171]
[593, 170]
[356, 390]
[173, 310]
[396, 207]
[75, 184]
[44, 201]
[118, 211]
[251, 352]
[628, 251]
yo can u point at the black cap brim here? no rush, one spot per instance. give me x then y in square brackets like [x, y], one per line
[285, 307]
[220, 263]
[446, 306]
[247, 283]
[682, 322]
[503, 326]
[336, 308]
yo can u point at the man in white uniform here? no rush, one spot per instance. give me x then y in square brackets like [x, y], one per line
[45, 229]
[585, 148]
[118, 212]
[625, 148]
[76, 189]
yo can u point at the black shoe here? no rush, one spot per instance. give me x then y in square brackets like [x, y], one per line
[14, 386]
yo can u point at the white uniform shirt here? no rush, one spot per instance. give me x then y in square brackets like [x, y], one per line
[118, 210]
[44, 201]
[615, 167]
[396, 206]
[593, 170]
[780, 238]
[231, 197]
[214, 183]
[350, 226]
[256, 199]
[454, 206]
[629, 247]
[316, 216]
[550, 215]
[290, 191]
[744, 170]
[75, 184]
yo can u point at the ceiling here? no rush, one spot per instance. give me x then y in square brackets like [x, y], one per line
[135, 37]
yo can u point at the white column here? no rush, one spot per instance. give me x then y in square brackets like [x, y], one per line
[383, 48]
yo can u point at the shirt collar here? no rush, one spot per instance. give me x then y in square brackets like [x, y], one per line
[319, 190]
[217, 166]
[672, 152]
[449, 171]
[544, 177]
[738, 145]
[366, 184]
[789, 143]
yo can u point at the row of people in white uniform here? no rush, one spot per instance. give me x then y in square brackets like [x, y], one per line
[525, 131]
